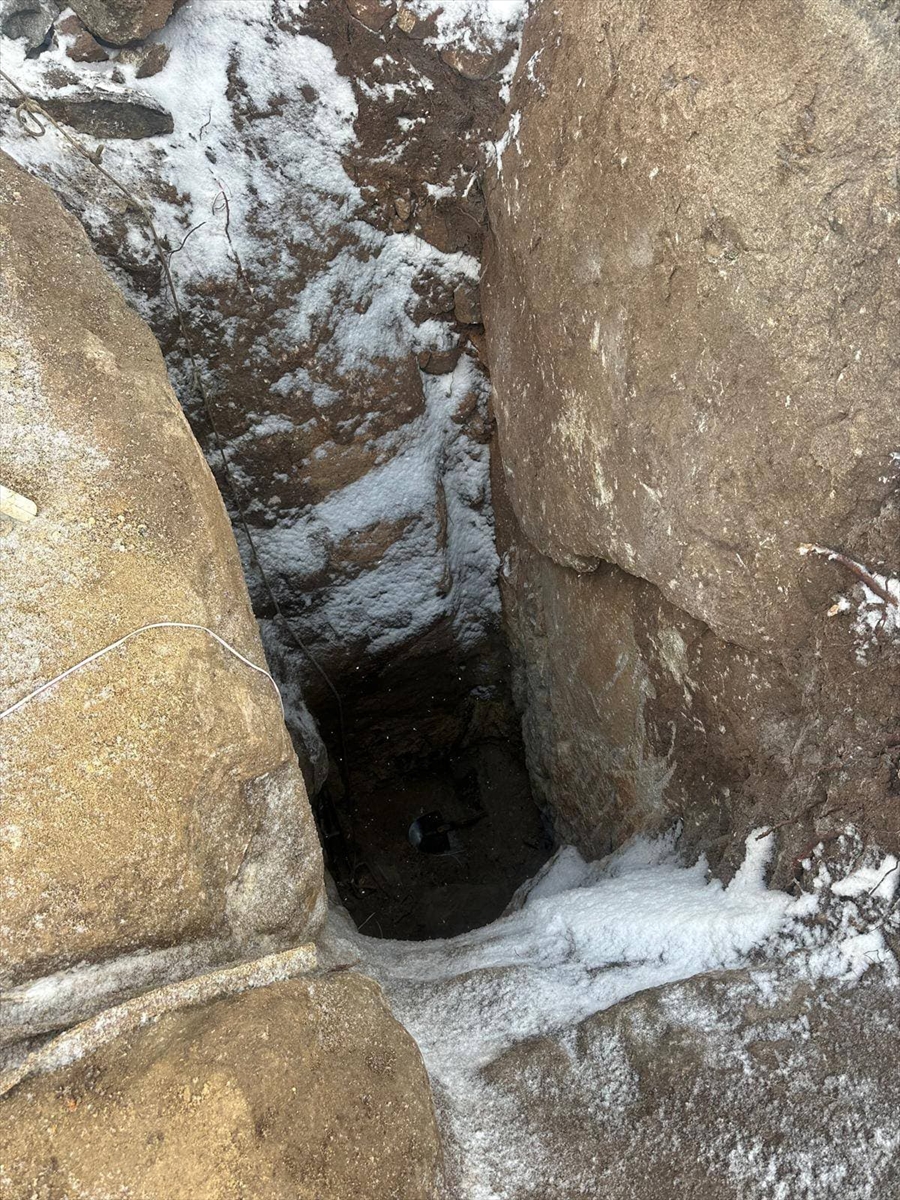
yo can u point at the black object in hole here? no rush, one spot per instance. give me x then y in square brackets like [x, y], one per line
[431, 834]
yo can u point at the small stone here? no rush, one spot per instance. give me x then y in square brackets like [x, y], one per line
[439, 362]
[82, 46]
[406, 20]
[467, 304]
[374, 14]
[471, 64]
[465, 408]
[153, 61]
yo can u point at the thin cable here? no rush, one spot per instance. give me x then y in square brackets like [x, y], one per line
[127, 638]
[30, 106]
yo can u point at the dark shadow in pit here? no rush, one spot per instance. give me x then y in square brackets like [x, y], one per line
[434, 826]
[481, 837]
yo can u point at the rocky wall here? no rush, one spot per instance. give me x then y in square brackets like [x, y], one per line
[314, 173]
[692, 331]
[152, 804]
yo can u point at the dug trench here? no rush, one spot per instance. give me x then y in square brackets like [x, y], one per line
[323, 198]
[427, 819]
[324, 232]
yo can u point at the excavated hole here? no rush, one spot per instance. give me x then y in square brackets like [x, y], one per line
[428, 755]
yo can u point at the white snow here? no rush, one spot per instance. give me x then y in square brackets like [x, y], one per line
[472, 23]
[880, 880]
[577, 939]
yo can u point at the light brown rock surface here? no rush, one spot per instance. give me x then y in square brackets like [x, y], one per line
[153, 797]
[690, 302]
[693, 333]
[304, 1090]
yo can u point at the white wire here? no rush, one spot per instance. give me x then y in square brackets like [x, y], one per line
[121, 642]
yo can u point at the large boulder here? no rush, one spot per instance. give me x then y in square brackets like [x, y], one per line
[152, 798]
[736, 1085]
[692, 333]
[690, 300]
[307, 1089]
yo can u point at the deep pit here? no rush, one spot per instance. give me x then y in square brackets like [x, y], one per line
[435, 759]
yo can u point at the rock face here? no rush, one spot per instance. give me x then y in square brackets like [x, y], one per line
[732, 1086]
[305, 1089]
[122, 21]
[692, 339]
[151, 799]
[28, 19]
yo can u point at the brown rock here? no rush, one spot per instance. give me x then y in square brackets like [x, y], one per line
[467, 304]
[153, 797]
[81, 46]
[153, 60]
[374, 14]
[636, 714]
[307, 1088]
[713, 1087]
[690, 301]
[84, 48]
[148, 60]
[471, 64]
[122, 21]
[693, 374]
[439, 362]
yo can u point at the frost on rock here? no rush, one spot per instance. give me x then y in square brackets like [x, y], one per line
[580, 941]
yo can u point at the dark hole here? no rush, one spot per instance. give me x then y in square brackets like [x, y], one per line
[434, 825]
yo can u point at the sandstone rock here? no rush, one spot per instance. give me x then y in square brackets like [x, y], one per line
[152, 798]
[307, 1088]
[737, 1085]
[121, 21]
[406, 19]
[689, 322]
[690, 296]
[636, 714]
[29, 19]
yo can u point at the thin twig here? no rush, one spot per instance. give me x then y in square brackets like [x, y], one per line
[31, 108]
[178, 249]
[857, 568]
[222, 195]
[894, 868]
